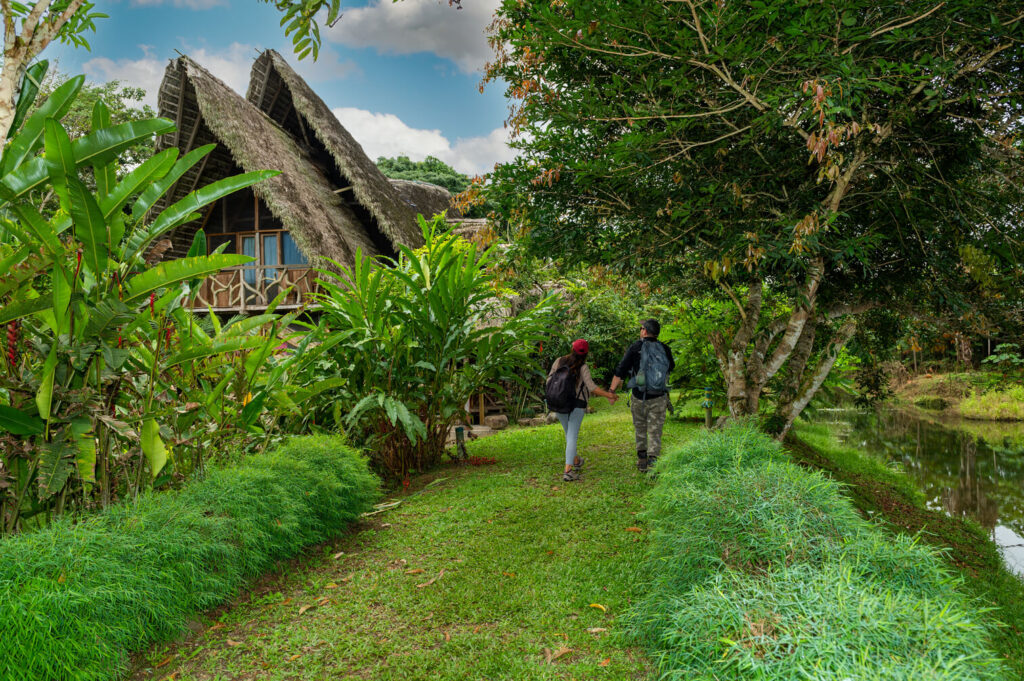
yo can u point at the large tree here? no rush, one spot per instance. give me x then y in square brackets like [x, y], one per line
[808, 161]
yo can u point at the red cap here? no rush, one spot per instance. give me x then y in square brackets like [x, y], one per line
[580, 347]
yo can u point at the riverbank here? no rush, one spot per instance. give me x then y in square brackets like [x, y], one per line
[976, 396]
[884, 494]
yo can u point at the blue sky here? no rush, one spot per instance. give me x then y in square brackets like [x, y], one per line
[403, 77]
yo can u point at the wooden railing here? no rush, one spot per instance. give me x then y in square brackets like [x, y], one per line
[252, 287]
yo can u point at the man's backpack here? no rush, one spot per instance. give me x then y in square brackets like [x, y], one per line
[560, 391]
[652, 376]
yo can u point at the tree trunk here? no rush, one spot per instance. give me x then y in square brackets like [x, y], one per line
[788, 413]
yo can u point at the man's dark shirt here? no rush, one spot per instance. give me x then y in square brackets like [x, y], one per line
[630, 365]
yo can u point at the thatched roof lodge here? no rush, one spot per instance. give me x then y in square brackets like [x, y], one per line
[329, 200]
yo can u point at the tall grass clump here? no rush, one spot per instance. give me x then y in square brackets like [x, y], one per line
[995, 405]
[759, 569]
[77, 598]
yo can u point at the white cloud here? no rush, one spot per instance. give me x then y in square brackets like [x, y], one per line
[384, 134]
[232, 65]
[413, 26]
[190, 4]
[326, 67]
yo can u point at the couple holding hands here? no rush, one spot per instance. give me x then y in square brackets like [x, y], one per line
[646, 365]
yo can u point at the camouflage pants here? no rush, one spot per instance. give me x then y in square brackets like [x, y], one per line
[648, 420]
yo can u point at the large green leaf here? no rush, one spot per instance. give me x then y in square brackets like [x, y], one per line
[23, 308]
[38, 227]
[180, 211]
[138, 180]
[30, 83]
[218, 346]
[44, 396]
[150, 196]
[30, 138]
[153, 447]
[174, 271]
[90, 227]
[84, 439]
[60, 281]
[103, 172]
[17, 422]
[55, 467]
[103, 146]
[60, 159]
[20, 182]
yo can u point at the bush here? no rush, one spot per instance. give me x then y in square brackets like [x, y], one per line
[760, 569]
[77, 598]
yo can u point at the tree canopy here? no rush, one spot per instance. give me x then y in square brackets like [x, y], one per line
[833, 157]
[434, 171]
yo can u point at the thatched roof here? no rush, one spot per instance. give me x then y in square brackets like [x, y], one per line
[206, 110]
[423, 197]
[282, 94]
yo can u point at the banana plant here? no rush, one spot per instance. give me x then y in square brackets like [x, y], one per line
[90, 310]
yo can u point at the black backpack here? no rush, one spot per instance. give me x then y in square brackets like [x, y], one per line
[560, 391]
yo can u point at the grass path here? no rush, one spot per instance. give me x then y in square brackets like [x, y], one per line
[523, 556]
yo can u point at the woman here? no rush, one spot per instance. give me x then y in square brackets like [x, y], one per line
[576, 361]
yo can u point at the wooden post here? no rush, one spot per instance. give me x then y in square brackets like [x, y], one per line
[482, 412]
[707, 404]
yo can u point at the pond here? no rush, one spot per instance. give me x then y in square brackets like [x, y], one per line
[966, 468]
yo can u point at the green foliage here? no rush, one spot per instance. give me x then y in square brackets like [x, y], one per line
[1007, 358]
[729, 149]
[760, 569]
[410, 343]
[98, 338]
[995, 405]
[435, 171]
[77, 598]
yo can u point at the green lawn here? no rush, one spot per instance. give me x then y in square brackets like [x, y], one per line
[525, 559]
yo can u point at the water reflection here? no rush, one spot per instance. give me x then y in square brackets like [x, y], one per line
[965, 469]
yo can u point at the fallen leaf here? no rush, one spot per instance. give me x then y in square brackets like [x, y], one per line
[633, 529]
[332, 585]
[63, 578]
[565, 636]
[286, 601]
[414, 571]
[476, 630]
[554, 488]
[509, 574]
[233, 643]
[550, 656]
[596, 630]
[304, 608]
[215, 627]
[294, 657]
[164, 662]
[431, 581]
[447, 636]
[599, 607]
[349, 577]
[338, 555]
[605, 662]
[551, 552]
[384, 526]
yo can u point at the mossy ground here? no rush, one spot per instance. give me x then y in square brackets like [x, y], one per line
[524, 556]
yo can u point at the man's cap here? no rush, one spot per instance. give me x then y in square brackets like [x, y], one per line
[652, 326]
[580, 346]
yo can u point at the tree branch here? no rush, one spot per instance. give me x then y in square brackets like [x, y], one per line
[889, 27]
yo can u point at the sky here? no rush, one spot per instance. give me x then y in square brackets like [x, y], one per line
[403, 77]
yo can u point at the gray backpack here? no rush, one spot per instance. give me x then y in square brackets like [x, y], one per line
[653, 373]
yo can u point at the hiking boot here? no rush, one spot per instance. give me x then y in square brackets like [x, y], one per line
[578, 467]
[651, 460]
[570, 476]
[642, 463]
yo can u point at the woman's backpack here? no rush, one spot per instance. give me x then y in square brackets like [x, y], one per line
[560, 391]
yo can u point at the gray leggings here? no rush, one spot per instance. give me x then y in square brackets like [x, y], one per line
[571, 423]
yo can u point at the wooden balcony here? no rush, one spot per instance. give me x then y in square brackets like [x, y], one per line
[251, 288]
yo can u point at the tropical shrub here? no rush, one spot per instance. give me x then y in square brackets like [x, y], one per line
[412, 340]
[97, 336]
[77, 597]
[759, 569]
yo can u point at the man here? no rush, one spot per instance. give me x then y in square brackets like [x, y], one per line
[647, 364]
